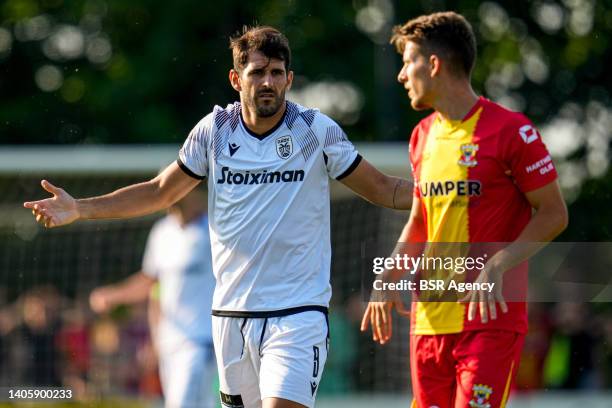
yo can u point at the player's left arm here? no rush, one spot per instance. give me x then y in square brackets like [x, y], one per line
[551, 216]
[532, 170]
[379, 188]
[344, 164]
[134, 289]
[548, 221]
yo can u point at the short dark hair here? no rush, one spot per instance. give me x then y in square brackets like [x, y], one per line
[447, 33]
[267, 40]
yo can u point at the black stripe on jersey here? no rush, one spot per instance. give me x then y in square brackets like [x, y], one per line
[188, 171]
[334, 135]
[292, 114]
[228, 114]
[270, 313]
[221, 117]
[350, 168]
[224, 118]
[265, 134]
[308, 143]
[308, 116]
[236, 114]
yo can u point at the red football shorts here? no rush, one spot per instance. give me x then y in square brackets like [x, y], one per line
[473, 369]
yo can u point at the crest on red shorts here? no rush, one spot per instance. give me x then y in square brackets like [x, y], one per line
[481, 394]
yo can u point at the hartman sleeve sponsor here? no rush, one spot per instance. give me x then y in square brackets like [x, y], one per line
[542, 166]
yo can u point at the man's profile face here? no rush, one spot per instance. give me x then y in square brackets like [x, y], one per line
[264, 82]
[415, 76]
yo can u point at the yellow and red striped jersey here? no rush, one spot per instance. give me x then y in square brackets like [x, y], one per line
[471, 177]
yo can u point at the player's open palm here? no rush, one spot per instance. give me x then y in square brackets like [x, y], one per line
[483, 301]
[61, 209]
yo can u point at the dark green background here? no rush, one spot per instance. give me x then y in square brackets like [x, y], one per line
[170, 61]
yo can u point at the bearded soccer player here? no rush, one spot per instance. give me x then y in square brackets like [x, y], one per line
[480, 170]
[267, 162]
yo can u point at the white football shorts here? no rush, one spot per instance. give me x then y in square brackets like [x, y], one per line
[262, 357]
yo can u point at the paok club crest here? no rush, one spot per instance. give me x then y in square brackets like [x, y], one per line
[284, 147]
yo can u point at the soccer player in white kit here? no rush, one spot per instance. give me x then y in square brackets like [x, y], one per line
[177, 256]
[267, 163]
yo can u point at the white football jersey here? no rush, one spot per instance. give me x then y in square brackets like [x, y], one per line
[179, 257]
[268, 205]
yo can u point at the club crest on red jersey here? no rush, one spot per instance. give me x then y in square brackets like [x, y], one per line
[468, 155]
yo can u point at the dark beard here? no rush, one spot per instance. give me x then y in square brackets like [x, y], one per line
[265, 111]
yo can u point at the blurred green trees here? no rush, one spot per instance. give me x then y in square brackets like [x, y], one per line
[145, 71]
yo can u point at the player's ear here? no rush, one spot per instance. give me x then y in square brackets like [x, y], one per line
[289, 79]
[234, 78]
[435, 65]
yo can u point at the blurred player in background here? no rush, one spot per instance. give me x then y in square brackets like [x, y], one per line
[267, 162]
[479, 171]
[177, 256]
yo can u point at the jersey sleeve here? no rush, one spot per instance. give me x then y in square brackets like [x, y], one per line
[193, 156]
[526, 156]
[341, 157]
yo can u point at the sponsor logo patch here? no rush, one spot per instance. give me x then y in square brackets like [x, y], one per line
[259, 177]
[313, 387]
[443, 188]
[231, 401]
[543, 166]
[233, 148]
[528, 133]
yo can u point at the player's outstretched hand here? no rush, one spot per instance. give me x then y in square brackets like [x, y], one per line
[378, 315]
[100, 300]
[486, 302]
[61, 209]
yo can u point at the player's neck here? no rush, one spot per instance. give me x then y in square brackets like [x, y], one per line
[456, 102]
[258, 124]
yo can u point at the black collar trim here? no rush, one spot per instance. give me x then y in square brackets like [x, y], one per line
[269, 132]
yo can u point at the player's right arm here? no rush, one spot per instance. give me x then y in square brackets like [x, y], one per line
[134, 289]
[132, 201]
[378, 314]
